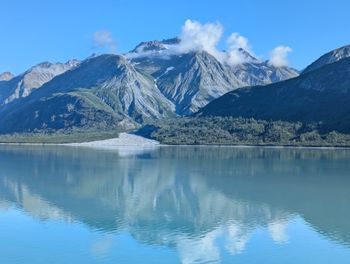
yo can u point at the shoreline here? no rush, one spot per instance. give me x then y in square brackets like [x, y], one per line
[182, 146]
[130, 140]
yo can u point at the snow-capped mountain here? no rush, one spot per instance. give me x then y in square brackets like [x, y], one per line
[23, 84]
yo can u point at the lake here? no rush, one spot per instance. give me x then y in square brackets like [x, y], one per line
[61, 204]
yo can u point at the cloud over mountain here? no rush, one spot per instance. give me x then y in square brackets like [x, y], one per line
[279, 56]
[196, 36]
[235, 43]
[104, 39]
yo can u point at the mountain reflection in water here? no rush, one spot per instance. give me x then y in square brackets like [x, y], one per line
[182, 197]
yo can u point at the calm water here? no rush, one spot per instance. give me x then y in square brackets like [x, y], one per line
[174, 205]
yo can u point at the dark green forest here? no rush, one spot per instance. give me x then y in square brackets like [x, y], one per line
[241, 131]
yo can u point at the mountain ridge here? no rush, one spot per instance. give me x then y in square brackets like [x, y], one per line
[22, 85]
[6, 76]
[111, 91]
[102, 88]
[330, 57]
[176, 79]
[321, 95]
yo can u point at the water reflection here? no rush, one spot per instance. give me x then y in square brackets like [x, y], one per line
[187, 198]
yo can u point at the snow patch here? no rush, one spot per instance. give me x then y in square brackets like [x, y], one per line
[169, 69]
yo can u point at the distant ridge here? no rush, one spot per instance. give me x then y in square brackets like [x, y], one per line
[330, 57]
[319, 95]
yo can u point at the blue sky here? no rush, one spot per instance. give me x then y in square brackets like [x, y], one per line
[35, 31]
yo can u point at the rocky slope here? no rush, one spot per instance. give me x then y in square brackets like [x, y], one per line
[6, 76]
[330, 57]
[193, 79]
[102, 92]
[153, 81]
[12, 88]
[321, 95]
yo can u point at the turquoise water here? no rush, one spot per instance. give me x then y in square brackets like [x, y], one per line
[174, 205]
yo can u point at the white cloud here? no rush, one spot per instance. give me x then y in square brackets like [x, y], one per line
[279, 56]
[234, 55]
[236, 41]
[194, 37]
[197, 36]
[103, 39]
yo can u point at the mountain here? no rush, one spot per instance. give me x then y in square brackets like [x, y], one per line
[102, 92]
[154, 46]
[330, 57]
[321, 95]
[153, 81]
[23, 84]
[190, 80]
[193, 79]
[6, 76]
[258, 72]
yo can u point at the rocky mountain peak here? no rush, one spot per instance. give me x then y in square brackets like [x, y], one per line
[330, 57]
[155, 45]
[23, 84]
[6, 76]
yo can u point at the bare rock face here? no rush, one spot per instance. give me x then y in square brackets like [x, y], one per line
[102, 92]
[6, 76]
[321, 96]
[23, 84]
[261, 73]
[191, 80]
[328, 58]
[153, 81]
